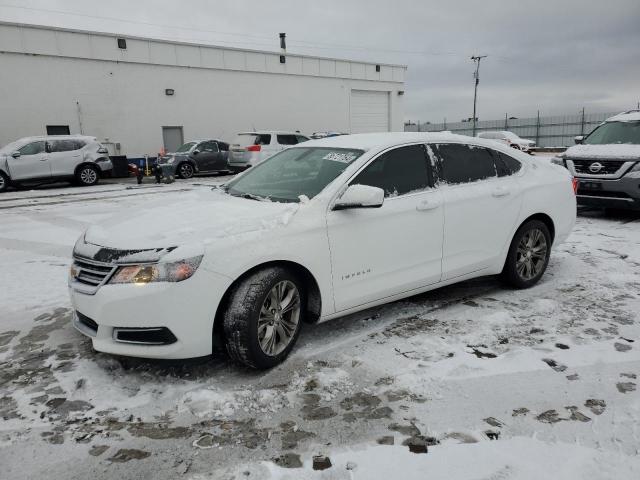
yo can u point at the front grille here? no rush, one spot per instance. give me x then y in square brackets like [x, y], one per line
[600, 167]
[90, 272]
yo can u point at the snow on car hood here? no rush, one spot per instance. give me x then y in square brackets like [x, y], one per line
[197, 218]
[614, 151]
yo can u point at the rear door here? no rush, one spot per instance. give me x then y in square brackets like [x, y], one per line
[480, 207]
[33, 162]
[380, 252]
[65, 155]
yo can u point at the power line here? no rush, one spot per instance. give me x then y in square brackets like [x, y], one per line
[305, 44]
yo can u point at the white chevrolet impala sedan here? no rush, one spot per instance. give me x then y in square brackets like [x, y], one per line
[318, 231]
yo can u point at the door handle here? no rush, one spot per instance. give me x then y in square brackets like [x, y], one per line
[500, 192]
[44, 159]
[427, 205]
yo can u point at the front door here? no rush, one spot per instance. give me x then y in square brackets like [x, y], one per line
[397, 248]
[208, 157]
[33, 162]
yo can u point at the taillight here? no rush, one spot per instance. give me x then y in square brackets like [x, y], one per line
[253, 148]
[574, 182]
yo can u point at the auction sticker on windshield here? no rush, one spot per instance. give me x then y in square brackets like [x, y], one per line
[342, 157]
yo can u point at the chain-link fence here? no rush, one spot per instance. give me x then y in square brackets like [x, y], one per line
[556, 131]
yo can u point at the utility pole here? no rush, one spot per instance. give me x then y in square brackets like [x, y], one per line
[476, 75]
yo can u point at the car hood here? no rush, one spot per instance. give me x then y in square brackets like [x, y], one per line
[613, 151]
[198, 218]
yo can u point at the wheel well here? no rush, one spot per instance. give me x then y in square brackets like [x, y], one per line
[314, 300]
[544, 218]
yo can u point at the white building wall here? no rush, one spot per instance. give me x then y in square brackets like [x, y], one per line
[219, 92]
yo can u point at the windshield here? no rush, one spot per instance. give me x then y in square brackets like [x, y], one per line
[615, 132]
[292, 173]
[185, 148]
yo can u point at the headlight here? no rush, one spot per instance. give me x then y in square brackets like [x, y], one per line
[157, 272]
[636, 167]
[171, 160]
[557, 161]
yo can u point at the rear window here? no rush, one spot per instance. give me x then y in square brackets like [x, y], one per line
[246, 139]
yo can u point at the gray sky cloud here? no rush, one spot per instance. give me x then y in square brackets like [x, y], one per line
[553, 56]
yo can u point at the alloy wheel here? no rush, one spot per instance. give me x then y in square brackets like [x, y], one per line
[186, 170]
[279, 317]
[531, 254]
[88, 176]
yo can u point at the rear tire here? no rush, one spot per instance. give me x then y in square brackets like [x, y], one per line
[528, 255]
[4, 182]
[185, 171]
[87, 175]
[263, 317]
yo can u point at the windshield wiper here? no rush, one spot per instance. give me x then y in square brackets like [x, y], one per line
[251, 196]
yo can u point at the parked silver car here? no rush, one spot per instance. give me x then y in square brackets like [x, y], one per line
[40, 160]
[250, 148]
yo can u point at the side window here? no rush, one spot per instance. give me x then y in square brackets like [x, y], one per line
[301, 138]
[506, 165]
[287, 140]
[62, 146]
[79, 144]
[465, 163]
[223, 146]
[32, 148]
[262, 140]
[208, 147]
[397, 172]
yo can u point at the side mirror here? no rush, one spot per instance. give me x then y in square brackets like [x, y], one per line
[195, 152]
[16, 154]
[360, 196]
[579, 139]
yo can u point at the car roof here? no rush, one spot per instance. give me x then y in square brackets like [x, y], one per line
[204, 140]
[628, 116]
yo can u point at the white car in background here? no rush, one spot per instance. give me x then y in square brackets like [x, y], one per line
[250, 148]
[509, 138]
[40, 160]
[318, 231]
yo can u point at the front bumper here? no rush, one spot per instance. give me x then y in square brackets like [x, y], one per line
[623, 193]
[187, 309]
[104, 165]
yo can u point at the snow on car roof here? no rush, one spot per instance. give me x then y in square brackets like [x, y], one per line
[271, 132]
[367, 141]
[630, 116]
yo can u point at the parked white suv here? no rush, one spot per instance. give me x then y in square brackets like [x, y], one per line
[317, 231]
[40, 160]
[251, 148]
[509, 138]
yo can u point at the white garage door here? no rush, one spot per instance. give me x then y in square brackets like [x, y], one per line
[369, 111]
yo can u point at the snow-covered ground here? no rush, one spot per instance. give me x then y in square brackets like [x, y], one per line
[481, 382]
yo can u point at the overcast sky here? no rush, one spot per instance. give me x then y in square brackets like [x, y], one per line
[553, 55]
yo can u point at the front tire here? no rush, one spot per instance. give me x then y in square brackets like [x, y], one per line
[528, 255]
[263, 317]
[87, 176]
[185, 171]
[4, 182]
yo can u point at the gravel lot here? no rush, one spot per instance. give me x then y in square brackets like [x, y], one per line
[493, 383]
